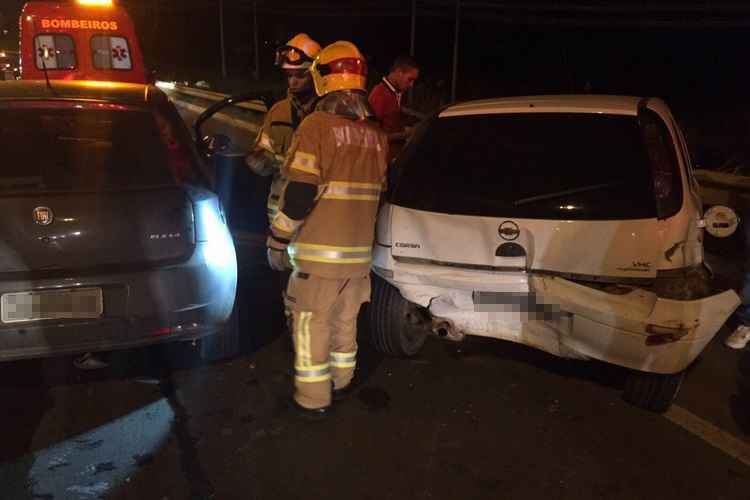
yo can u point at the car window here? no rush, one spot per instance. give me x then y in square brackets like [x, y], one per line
[90, 148]
[541, 165]
[55, 51]
[110, 52]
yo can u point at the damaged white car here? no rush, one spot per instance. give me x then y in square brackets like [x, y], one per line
[571, 224]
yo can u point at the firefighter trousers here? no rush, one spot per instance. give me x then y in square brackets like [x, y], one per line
[324, 315]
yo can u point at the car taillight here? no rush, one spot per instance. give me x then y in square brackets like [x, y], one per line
[179, 164]
[665, 169]
[662, 184]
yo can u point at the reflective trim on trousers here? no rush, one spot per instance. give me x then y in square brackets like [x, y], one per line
[344, 359]
[330, 254]
[302, 340]
[314, 373]
[353, 191]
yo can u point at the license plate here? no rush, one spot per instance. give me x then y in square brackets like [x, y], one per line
[501, 301]
[77, 303]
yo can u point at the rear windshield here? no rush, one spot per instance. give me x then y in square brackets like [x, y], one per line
[85, 148]
[538, 166]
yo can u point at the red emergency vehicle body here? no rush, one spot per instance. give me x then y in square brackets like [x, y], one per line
[79, 40]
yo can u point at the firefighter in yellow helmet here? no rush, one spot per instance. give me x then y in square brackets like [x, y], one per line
[336, 170]
[275, 136]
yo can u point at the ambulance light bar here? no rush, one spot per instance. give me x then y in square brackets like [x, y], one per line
[96, 3]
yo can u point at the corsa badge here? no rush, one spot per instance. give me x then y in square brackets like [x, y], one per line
[43, 216]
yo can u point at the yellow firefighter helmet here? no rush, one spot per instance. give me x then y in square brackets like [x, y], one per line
[299, 52]
[339, 66]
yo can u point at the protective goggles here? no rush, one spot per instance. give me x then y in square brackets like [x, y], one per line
[347, 65]
[286, 54]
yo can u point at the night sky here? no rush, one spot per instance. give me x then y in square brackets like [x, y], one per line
[696, 59]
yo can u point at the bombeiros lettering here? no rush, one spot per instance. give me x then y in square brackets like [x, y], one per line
[79, 24]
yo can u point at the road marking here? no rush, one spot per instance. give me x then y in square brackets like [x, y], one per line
[716, 437]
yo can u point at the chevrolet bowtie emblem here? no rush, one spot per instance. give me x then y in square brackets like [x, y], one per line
[509, 230]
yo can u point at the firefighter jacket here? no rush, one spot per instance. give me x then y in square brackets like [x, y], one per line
[336, 169]
[275, 138]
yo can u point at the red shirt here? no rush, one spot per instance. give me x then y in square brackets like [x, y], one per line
[386, 103]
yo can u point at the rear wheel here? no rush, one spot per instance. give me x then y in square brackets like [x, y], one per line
[222, 344]
[652, 391]
[397, 327]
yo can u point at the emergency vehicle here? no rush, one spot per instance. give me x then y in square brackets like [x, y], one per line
[79, 40]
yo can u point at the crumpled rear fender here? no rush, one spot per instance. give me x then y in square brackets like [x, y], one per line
[636, 329]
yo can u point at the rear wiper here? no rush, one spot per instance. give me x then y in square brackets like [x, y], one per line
[559, 194]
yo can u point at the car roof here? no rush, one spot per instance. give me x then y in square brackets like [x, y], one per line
[115, 92]
[608, 104]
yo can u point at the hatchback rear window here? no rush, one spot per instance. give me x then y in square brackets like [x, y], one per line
[88, 147]
[539, 166]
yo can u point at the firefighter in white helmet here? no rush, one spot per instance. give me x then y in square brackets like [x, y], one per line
[279, 124]
[336, 170]
[275, 136]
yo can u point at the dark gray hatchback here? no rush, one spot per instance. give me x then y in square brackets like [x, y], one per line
[110, 235]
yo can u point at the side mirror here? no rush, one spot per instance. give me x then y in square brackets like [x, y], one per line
[213, 144]
[219, 143]
[720, 221]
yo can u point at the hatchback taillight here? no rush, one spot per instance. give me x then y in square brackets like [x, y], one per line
[665, 169]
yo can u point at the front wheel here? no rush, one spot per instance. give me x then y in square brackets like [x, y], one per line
[397, 327]
[652, 391]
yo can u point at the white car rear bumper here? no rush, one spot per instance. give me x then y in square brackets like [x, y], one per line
[635, 329]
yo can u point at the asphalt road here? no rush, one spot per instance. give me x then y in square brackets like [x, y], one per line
[480, 419]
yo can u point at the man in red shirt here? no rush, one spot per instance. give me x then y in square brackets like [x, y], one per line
[385, 100]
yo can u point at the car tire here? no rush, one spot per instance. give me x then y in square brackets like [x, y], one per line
[652, 391]
[396, 325]
[223, 344]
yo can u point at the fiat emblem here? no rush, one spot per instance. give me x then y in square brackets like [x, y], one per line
[509, 230]
[43, 216]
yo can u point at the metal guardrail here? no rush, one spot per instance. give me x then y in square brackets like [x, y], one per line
[723, 180]
[719, 188]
